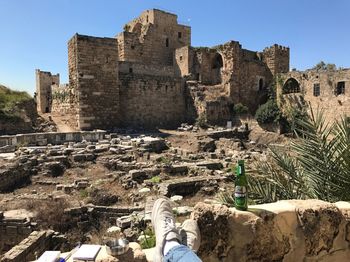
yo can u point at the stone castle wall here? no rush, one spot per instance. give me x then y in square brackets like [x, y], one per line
[244, 71]
[183, 60]
[127, 67]
[151, 101]
[319, 89]
[63, 100]
[44, 80]
[256, 78]
[93, 73]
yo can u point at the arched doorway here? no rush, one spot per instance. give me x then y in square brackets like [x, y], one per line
[217, 64]
[217, 61]
[261, 84]
[291, 86]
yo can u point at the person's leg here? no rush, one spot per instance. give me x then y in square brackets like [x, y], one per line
[190, 234]
[181, 253]
[168, 240]
[163, 223]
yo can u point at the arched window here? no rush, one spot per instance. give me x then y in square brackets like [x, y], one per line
[291, 86]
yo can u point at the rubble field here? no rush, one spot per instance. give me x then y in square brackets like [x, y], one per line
[61, 185]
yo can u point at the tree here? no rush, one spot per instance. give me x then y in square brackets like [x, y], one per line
[323, 66]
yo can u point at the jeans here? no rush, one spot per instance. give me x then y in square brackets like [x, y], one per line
[181, 254]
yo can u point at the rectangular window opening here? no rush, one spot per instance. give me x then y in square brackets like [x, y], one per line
[341, 88]
[316, 89]
[179, 34]
[167, 42]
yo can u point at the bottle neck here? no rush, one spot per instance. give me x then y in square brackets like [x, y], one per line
[240, 170]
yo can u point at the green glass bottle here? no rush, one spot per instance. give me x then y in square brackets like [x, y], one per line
[241, 185]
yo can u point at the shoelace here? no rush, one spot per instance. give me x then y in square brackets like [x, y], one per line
[169, 223]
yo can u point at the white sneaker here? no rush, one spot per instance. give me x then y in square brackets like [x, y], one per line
[163, 223]
[190, 234]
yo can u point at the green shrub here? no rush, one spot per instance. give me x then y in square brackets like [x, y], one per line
[8, 100]
[155, 179]
[201, 121]
[268, 113]
[240, 109]
[150, 240]
[83, 193]
[164, 160]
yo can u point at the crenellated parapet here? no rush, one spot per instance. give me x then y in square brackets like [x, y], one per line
[277, 58]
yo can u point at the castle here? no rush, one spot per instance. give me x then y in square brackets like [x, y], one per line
[150, 76]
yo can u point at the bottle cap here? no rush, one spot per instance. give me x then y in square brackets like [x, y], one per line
[240, 162]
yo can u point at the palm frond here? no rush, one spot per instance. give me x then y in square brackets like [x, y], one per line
[317, 164]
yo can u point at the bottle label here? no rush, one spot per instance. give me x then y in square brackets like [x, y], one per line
[240, 191]
[240, 195]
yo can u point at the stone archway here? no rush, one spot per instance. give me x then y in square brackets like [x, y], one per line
[261, 84]
[291, 86]
[217, 61]
[216, 68]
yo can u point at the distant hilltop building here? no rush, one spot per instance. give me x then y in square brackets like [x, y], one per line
[150, 76]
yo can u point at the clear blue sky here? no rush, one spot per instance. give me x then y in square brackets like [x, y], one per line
[34, 33]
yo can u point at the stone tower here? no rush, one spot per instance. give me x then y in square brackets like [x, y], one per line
[277, 59]
[152, 38]
[44, 80]
[93, 74]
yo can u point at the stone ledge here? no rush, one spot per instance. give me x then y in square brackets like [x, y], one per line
[289, 230]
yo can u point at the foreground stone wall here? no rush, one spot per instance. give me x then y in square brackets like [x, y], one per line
[34, 245]
[12, 231]
[152, 101]
[290, 230]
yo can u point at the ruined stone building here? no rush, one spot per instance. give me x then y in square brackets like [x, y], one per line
[327, 90]
[150, 76]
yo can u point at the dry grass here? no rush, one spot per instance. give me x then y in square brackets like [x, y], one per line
[49, 213]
